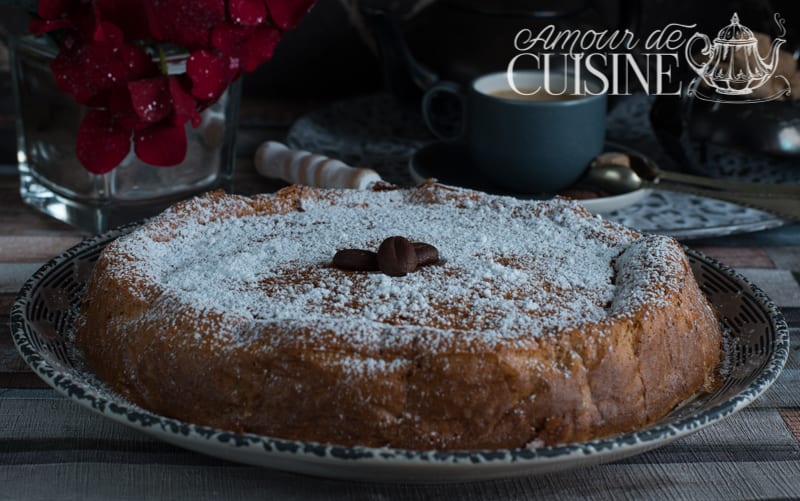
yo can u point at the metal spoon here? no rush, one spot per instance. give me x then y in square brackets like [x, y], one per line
[613, 179]
[648, 171]
[619, 179]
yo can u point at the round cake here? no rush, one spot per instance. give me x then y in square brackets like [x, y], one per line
[539, 324]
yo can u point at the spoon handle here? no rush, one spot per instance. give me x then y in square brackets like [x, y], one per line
[762, 190]
[787, 207]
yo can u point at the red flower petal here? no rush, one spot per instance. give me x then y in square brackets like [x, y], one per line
[184, 22]
[101, 145]
[108, 33]
[39, 26]
[129, 15]
[53, 9]
[61, 14]
[287, 14]
[71, 75]
[228, 37]
[247, 12]
[151, 99]
[184, 104]
[246, 47]
[84, 70]
[259, 47]
[121, 108]
[138, 63]
[100, 100]
[210, 74]
[163, 144]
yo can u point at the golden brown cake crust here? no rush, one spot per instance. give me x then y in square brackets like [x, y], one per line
[542, 323]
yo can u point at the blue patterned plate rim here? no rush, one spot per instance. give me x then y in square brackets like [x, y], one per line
[79, 387]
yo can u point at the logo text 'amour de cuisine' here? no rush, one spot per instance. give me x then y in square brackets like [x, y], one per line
[607, 57]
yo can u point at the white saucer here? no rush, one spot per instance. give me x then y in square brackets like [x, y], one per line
[603, 205]
[448, 164]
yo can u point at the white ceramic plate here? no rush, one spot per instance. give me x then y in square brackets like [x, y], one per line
[47, 305]
[605, 205]
[448, 164]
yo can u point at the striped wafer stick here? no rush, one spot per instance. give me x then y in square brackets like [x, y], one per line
[275, 160]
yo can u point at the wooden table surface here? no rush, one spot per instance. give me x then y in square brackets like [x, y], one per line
[52, 448]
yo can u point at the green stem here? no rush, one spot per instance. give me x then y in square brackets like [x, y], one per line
[162, 57]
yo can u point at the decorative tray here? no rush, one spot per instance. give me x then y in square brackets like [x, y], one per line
[44, 313]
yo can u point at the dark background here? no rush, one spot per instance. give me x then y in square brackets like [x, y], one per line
[333, 53]
[330, 55]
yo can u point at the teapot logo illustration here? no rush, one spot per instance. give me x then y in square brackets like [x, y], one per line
[734, 71]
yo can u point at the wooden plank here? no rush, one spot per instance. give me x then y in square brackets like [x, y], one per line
[792, 316]
[792, 419]
[758, 435]
[747, 456]
[18, 219]
[14, 275]
[6, 301]
[53, 417]
[21, 380]
[23, 220]
[783, 393]
[785, 257]
[780, 285]
[99, 479]
[787, 235]
[750, 257]
[759, 432]
[30, 248]
[10, 360]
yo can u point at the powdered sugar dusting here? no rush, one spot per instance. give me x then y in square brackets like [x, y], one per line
[511, 270]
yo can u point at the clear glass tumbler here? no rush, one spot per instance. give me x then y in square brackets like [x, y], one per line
[54, 181]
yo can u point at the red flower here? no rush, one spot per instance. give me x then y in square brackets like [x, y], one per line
[287, 14]
[129, 15]
[53, 9]
[210, 74]
[120, 106]
[247, 12]
[184, 104]
[101, 144]
[246, 47]
[62, 14]
[86, 70]
[106, 61]
[155, 109]
[163, 144]
[184, 22]
[151, 99]
[156, 99]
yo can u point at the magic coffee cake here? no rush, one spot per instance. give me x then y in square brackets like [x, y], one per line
[535, 323]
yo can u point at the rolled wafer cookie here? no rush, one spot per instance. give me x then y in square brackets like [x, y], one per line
[275, 160]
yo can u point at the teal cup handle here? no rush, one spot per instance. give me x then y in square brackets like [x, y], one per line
[429, 116]
[534, 145]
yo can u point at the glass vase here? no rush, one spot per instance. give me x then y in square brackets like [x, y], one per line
[54, 181]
